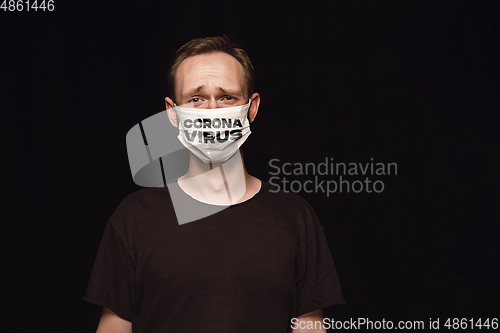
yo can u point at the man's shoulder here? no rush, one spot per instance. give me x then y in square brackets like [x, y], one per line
[140, 202]
[144, 196]
[289, 207]
[289, 199]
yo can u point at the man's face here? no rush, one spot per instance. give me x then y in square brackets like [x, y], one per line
[209, 81]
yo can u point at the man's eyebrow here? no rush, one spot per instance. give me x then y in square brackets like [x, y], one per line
[195, 90]
[230, 92]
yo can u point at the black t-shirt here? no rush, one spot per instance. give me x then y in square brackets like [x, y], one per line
[251, 267]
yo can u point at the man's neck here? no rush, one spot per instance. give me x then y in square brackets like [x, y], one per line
[219, 183]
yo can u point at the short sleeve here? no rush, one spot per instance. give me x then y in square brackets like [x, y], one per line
[111, 280]
[320, 286]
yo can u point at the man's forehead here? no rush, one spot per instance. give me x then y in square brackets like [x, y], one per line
[196, 71]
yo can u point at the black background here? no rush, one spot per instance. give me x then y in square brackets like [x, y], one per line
[414, 83]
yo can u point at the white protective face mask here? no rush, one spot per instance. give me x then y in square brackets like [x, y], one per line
[213, 135]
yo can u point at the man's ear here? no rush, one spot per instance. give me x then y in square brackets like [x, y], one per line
[172, 115]
[254, 107]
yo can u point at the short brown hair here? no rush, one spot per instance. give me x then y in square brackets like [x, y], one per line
[209, 45]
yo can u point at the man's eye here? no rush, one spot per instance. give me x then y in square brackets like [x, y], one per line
[194, 100]
[229, 98]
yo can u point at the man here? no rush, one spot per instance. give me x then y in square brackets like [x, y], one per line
[259, 264]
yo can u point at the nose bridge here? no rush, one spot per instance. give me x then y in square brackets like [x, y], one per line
[212, 103]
